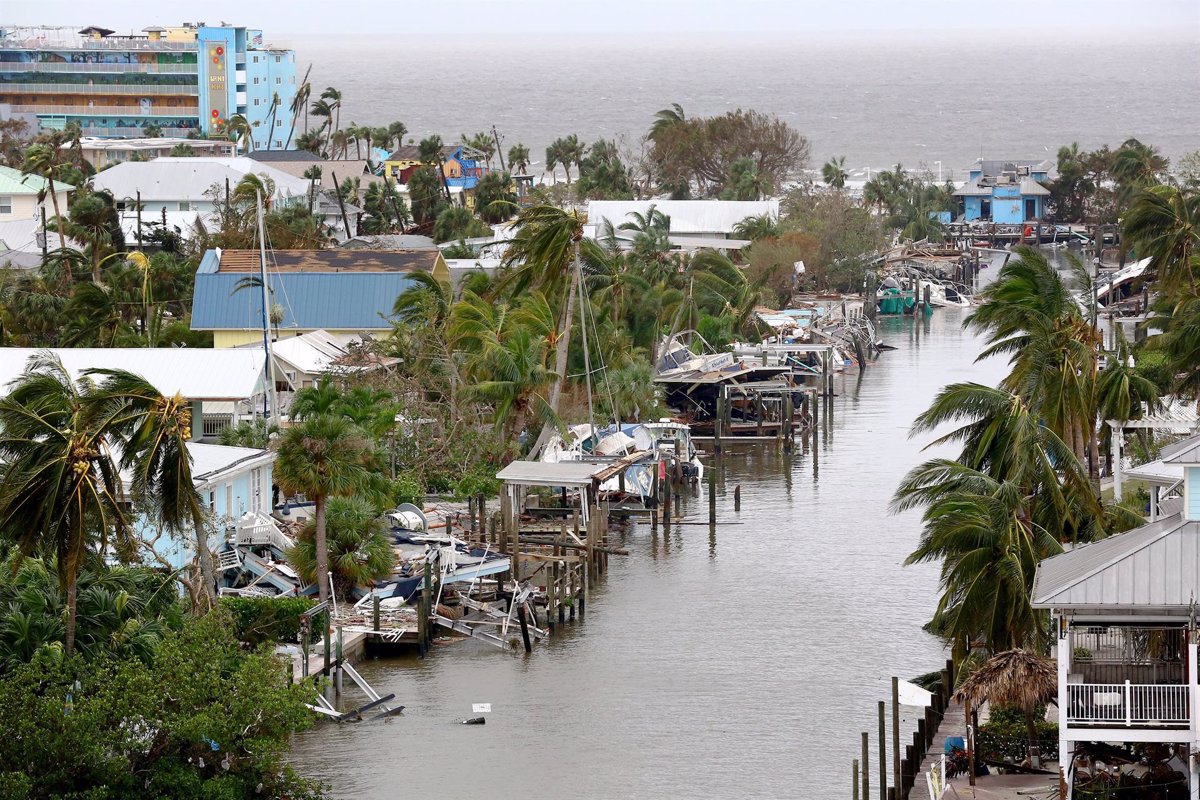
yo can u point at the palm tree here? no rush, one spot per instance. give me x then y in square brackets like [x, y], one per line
[834, 172]
[333, 97]
[153, 431]
[518, 158]
[666, 119]
[152, 131]
[61, 490]
[755, 228]
[396, 130]
[495, 200]
[1163, 224]
[322, 108]
[1029, 314]
[43, 160]
[545, 253]
[299, 105]
[238, 129]
[359, 548]
[512, 379]
[315, 401]
[324, 456]
[1015, 679]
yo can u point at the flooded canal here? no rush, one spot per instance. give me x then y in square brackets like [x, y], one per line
[737, 664]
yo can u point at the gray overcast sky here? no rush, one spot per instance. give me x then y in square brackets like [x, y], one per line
[429, 17]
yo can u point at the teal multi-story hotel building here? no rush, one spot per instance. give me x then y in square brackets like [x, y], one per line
[184, 79]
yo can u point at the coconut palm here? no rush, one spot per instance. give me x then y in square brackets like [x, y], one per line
[396, 131]
[834, 172]
[755, 228]
[153, 431]
[518, 158]
[299, 105]
[359, 548]
[61, 490]
[1029, 314]
[333, 98]
[1163, 224]
[238, 129]
[323, 457]
[43, 160]
[665, 120]
[513, 379]
[1016, 679]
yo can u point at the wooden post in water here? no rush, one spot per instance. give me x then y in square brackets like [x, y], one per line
[664, 469]
[896, 733]
[866, 766]
[524, 628]
[882, 750]
[719, 423]
[375, 613]
[786, 421]
[855, 785]
[971, 742]
[712, 496]
[737, 497]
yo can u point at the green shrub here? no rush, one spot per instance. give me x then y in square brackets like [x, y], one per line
[258, 620]
[407, 489]
[480, 481]
[1154, 365]
[1005, 736]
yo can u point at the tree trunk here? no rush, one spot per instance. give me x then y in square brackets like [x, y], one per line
[72, 596]
[207, 598]
[322, 550]
[1031, 727]
[62, 240]
[560, 357]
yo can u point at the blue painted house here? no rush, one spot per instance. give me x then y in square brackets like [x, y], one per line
[1007, 192]
[232, 482]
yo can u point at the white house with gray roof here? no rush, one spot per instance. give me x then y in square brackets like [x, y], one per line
[1124, 611]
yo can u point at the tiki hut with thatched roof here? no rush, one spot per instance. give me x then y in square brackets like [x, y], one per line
[1016, 679]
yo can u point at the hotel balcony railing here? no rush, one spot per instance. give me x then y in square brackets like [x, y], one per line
[1127, 705]
[107, 111]
[137, 89]
[130, 45]
[115, 68]
[125, 131]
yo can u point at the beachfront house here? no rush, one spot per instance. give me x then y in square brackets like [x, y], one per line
[21, 205]
[343, 292]
[235, 485]
[1124, 613]
[1008, 192]
[178, 192]
[223, 387]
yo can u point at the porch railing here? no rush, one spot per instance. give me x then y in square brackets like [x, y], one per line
[215, 423]
[1127, 704]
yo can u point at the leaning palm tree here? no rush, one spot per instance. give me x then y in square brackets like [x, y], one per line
[299, 105]
[153, 431]
[239, 130]
[334, 98]
[518, 158]
[834, 172]
[1015, 678]
[665, 120]
[43, 160]
[61, 493]
[544, 255]
[324, 456]
[1163, 224]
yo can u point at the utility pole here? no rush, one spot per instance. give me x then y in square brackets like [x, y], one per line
[139, 218]
[499, 151]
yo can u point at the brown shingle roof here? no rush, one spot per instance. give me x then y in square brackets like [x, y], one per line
[410, 152]
[331, 261]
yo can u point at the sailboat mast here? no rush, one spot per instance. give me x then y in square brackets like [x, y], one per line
[587, 361]
[266, 314]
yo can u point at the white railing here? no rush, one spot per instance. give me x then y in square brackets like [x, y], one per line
[107, 68]
[215, 423]
[257, 528]
[143, 89]
[109, 111]
[1127, 704]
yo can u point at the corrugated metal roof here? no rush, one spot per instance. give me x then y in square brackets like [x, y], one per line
[1158, 473]
[1030, 187]
[313, 352]
[687, 216]
[189, 178]
[196, 373]
[1185, 452]
[541, 473]
[973, 189]
[209, 460]
[339, 261]
[348, 301]
[13, 181]
[1154, 566]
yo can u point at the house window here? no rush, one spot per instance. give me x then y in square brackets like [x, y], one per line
[278, 80]
[256, 59]
[212, 502]
[276, 59]
[256, 80]
[278, 123]
[185, 205]
[5, 205]
[229, 500]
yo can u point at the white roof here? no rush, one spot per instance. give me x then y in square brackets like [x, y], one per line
[540, 473]
[189, 178]
[21, 234]
[1153, 568]
[311, 353]
[211, 460]
[1156, 473]
[687, 216]
[193, 372]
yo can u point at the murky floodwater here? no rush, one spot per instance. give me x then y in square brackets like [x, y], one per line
[737, 664]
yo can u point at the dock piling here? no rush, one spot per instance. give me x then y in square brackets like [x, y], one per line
[866, 766]
[896, 732]
[855, 778]
[737, 497]
[882, 750]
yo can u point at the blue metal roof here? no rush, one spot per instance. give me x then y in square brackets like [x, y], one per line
[330, 300]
